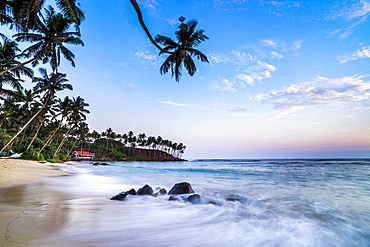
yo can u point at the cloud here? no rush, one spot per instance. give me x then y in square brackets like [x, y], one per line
[172, 22]
[149, 4]
[287, 112]
[256, 61]
[265, 49]
[356, 14]
[274, 54]
[245, 79]
[361, 9]
[170, 102]
[146, 56]
[268, 42]
[321, 91]
[364, 52]
[226, 107]
[260, 71]
[297, 44]
[224, 85]
[120, 64]
[238, 109]
[233, 57]
[356, 10]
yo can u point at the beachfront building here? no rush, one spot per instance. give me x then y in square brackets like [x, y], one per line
[82, 155]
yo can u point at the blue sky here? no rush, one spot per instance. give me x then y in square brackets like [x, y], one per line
[285, 78]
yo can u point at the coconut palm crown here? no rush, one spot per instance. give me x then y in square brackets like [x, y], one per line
[49, 37]
[181, 53]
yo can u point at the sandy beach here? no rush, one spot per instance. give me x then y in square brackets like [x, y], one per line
[306, 203]
[29, 210]
[14, 171]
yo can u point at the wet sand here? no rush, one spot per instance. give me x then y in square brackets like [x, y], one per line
[30, 212]
[15, 171]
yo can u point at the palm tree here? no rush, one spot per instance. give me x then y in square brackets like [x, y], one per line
[50, 84]
[142, 23]
[179, 149]
[80, 133]
[181, 52]
[7, 111]
[95, 135]
[63, 109]
[50, 35]
[109, 132]
[187, 39]
[76, 117]
[24, 13]
[5, 15]
[78, 108]
[8, 54]
[124, 140]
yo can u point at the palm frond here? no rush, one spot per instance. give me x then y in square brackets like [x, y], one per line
[167, 64]
[68, 55]
[165, 40]
[72, 9]
[198, 55]
[28, 37]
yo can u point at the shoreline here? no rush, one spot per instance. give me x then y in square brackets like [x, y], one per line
[77, 211]
[31, 212]
[17, 171]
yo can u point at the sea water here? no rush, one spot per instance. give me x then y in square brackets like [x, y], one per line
[244, 203]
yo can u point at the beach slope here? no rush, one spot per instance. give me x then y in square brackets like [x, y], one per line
[29, 210]
[15, 171]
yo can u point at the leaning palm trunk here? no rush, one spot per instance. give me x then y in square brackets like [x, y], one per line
[73, 145]
[25, 63]
[141, 20]
[37, 132]
[50, 139]
[25, 126]
[62, 142]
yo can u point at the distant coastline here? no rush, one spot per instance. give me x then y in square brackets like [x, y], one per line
[130, 159]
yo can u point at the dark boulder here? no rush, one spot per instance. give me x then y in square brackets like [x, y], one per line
[181, 188]
[173, 198]
[162, 191]
[120, 197]
[131, 192]
[195, 199]
[146, 190]
[100, 164]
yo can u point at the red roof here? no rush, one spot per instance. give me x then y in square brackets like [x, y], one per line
[83, 153]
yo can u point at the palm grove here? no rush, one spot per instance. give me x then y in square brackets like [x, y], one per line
[38, 123]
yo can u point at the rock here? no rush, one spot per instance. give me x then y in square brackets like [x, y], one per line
[120, 197]
[131, 192]
[181, 188]
[173, 198]
[195, 199]
[146, 190]
[100, 164]
[162, 191]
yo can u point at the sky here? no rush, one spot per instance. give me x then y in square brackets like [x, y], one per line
[285, 79]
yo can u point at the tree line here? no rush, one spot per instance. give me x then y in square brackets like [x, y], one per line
[32, 119]
[130, 142]
[35, 120]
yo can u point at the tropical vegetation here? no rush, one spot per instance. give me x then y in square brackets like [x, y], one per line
[42, 126]
[180, 53]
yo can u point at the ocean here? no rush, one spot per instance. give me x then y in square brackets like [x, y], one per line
[284, 202]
